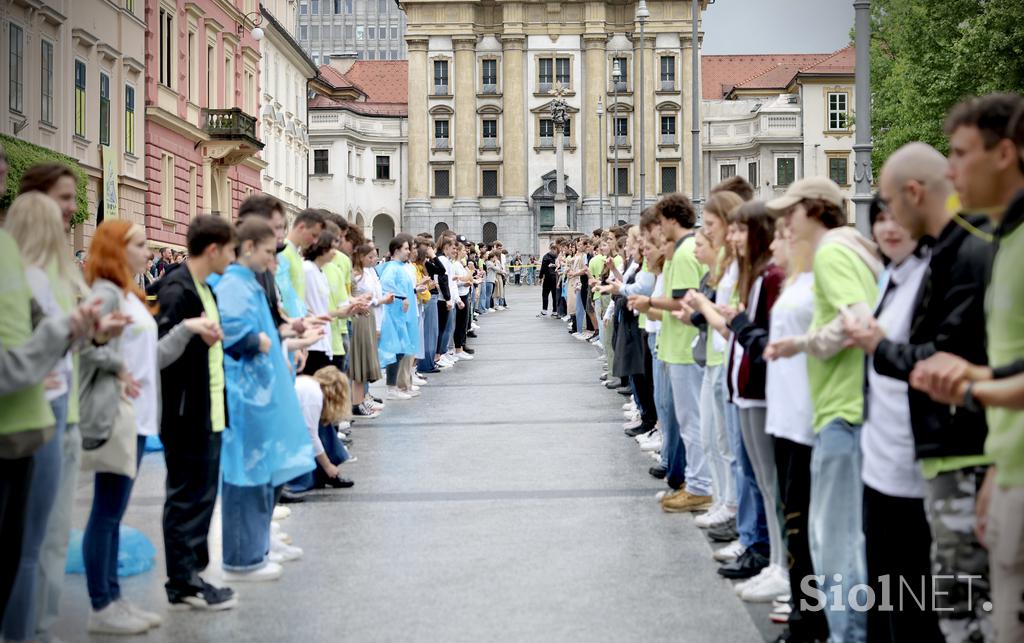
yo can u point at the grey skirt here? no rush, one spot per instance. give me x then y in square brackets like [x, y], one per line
[363, 364]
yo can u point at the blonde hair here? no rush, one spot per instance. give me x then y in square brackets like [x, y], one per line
[35, 223]
[334, 385]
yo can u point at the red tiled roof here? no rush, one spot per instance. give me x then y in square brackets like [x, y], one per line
[360, 107]
[382, 81]
[720, 74]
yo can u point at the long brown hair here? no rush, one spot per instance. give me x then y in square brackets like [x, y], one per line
[760, 224]
[721, 205]
[42, 176]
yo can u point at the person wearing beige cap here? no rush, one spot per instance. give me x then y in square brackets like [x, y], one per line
[846, 268]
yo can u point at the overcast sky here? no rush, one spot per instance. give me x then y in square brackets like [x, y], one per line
[777, 26]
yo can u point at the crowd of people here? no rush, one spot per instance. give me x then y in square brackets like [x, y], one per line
[250, 357]
[842, 414]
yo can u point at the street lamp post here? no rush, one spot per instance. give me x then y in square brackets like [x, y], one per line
[695, 118]
[600, 164]
[642, 14]
[616, 75]
[862, 136]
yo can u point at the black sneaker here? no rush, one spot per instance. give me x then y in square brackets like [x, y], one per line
[658, 471]
[290, 498]
[749, 564]
[468, 350]
[207, 597]
[360, 411]
[339, 483]
[377, 399]
[724, 533]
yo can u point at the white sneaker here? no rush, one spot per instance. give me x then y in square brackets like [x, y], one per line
[150, 618]
[281, 512]
[567, 318]
[288, 552]
[411, 392]
[724, 516]
[774, 584]
[708, 518]
[270, 571]
[632, 424]
[654, 444]
[729, 553]
[492, 310]
[464, 356]
[632, 415]
[474, 326]
[598, 345]
[418, 381]
[344, 425]
[644, 437]
[656, 456]
[661, 494]
[629, 406]
[443, 365]
[395, 394]
[115, 619]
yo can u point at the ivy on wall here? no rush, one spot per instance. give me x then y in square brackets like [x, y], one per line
[21, 155]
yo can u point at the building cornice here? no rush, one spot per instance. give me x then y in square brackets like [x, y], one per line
[176, 124]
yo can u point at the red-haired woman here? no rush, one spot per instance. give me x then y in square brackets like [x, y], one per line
[127, 365]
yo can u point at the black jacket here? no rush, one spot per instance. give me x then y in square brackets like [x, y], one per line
[547, 266]
[185, 384]
[948, 316]
[437, 270]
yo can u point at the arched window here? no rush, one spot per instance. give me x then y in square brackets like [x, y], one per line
[490, 232]
[440, 228]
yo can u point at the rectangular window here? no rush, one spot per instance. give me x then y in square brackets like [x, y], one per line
[210, 82]
[490, 128]
[79, 98]
[16, 69]
[668, 73]
[348, 32]
[303, 8]
[394, 33]
[752, 173]
[314, 33]
[229, 82]
[545, 73]
[348, 6]
[562, 71]
[382, 7]
[303, 32]
[166, 47]
[360, 33]
[383, 168]
[129, 119]
[167, 188]
[668, 130]
[371, 33]
[337, 6]
[193, 192]
[838, 170]
[104, 109]
[489, 183]
[621, 131]
[371, 55]
[547, 132]
[620, 65]
[314, 7]
[46, 84]
[489, 75]
[838, 117]
[320, 162]
[441, 133]
[129, 5]
[668, 179]
[725, 171]
[193, 80]
[621, 185]
[785, 171]
[441, 180]
[547, 217]
[440, 77]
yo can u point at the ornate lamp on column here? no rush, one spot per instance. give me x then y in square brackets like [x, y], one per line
[642, 14]
[862, 136]
[616, 75]
[559, 121]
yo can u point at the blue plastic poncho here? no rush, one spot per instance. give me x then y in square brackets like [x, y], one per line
[267, 442]
[399, 331]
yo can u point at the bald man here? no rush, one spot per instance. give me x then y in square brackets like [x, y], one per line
[947, 314]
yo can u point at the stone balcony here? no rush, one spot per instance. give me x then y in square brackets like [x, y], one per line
[232, 135]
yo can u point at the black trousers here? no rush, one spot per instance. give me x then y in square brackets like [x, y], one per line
[644, 385]
[315, 361]
[193, 473]
[547, 289]
[461, 325]
[793, 468]
[391, 371]
[15, 478]
[897, 543]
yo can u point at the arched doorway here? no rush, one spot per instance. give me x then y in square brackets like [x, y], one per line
[440, 228]
[383, 232]
[360, 222]
[490, 232]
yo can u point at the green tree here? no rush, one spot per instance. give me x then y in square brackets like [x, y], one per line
[927, 55]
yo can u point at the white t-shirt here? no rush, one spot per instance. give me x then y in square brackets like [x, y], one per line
[723, 292]
[459, 270]
[370, 283]
[790, 410]
[887, 440]
[311, 402]
[39, 284]
[139, 347]
[317, 302]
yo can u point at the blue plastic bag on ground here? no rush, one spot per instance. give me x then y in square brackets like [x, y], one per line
[135, 553]
[153, 443]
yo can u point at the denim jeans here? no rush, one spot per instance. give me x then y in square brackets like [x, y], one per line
[581, 314]
[485, 296]
[429, 318]
[102, 533]
[761, 452]
[835, 525]
[446, 333]
[673, 451]
[19, 618]
[245, 517]
[714, 438]
[686, 383]
[750, 520]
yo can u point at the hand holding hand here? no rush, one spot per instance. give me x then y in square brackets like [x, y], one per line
[865, 336]
[388, 298]
[207, 329]
[780, 349]
[639, 303]
[83, 319]
[112, 324]
[728, 312]
[131, 385]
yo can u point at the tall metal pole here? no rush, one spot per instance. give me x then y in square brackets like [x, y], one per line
[642, 14]
[862, 136]
[695, 104]
[616, 75]
[600, 163]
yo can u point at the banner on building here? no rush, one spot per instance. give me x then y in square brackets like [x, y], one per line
[110, 171]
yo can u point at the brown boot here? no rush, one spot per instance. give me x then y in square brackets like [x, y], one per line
[685, 502]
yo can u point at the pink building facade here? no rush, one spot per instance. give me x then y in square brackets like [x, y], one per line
[202, 92]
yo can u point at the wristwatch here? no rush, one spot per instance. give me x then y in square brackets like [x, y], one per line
[970, 402]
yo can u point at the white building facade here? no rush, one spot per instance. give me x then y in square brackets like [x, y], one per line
[283, 109]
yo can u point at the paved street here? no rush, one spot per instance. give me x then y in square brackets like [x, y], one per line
[503, 505]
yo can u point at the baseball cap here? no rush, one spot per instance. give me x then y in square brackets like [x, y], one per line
[811, 187]
[462, 239]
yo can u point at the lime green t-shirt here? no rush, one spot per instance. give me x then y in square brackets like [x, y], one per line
[931, 467]
[1004, 313]
[841, 279]
[596, 266]
[675, 340]
[339, 274]
[216, 360]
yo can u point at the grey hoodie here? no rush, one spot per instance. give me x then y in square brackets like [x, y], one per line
[826, 341]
